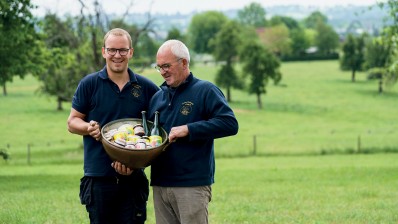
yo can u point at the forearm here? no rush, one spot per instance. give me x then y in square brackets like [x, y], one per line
[218, 127]
[78, 126]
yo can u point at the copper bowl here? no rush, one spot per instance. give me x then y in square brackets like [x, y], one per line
[133, 158]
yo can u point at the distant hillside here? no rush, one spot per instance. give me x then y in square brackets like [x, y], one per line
[342, 18]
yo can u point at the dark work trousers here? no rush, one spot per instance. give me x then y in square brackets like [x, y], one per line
[115, 200]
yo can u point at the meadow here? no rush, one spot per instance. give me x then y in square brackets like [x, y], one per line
[322, 150]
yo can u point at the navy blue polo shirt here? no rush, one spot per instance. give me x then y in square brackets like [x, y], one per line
[202, 106]
[100, 99]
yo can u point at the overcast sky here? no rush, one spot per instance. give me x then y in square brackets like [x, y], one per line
[183, 6]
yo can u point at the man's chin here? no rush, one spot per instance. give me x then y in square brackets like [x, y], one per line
[117, 69]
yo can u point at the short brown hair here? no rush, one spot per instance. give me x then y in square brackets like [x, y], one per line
[118, 32]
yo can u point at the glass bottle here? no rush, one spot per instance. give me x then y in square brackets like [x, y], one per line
[155, 139]
[145, 124]
[155, 129]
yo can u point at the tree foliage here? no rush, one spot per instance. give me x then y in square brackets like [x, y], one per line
[252, 15]
[299, 41]
[391, 39]
[61, 77]
[260, 65]
[203, 27]
[353, 55]
[314, 19]
[327, 40]
[65, 55]
[174, 33]
[377, 53]
[276, 39]
[290, 23]
[17, 40]
[226, 48]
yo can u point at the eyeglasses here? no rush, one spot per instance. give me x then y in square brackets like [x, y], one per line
[165, 67]
[122, 51]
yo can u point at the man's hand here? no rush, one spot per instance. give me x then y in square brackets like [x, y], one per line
[178, 132]
[94, 130]
[121, 168]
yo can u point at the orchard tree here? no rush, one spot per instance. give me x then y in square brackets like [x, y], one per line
[391, 39]
[353, 55]
[17, 40]
[252, 15]
[66, 57]
[327, 40]
[260, 64]
[377, 53]
[226, 48]
[61, 77]
[203, 28]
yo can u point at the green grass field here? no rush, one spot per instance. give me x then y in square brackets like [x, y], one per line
[323, 147]
[352, 189]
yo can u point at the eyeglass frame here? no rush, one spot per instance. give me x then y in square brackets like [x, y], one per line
[120, 50]
[165, 67]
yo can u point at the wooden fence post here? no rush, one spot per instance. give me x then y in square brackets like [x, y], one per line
[254, 144]
[28, 154]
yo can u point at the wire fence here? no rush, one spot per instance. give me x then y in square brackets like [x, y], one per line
[255, 145]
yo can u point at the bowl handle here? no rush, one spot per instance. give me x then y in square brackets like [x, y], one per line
[166, 145]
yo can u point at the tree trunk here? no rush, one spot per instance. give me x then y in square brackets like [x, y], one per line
[353, 76]
[380, 86]
[4, 90]
[97, 59]
[59, 108]
[259, 103]
[229, 94]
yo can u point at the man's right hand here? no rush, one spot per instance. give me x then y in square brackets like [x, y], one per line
[94, 130]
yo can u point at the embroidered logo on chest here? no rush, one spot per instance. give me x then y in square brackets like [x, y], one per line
[136, 91]
[186, 108]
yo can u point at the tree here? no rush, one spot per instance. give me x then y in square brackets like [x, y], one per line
[391, 38]
[260, 65]
[226, 48]
[299, 41]
[17, 35]
[203, 27]
[314, 19]
[353, 55]
[276, 39]
[327, 40]
[377, 53]
[62, 75]
[66, 57]
[252, 15]
[174, 33]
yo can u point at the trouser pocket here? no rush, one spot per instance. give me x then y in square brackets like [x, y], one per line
[86, 184]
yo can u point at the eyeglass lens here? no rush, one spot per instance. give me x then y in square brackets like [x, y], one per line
[122, 51]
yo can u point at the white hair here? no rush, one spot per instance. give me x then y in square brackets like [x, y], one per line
[177, 47]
